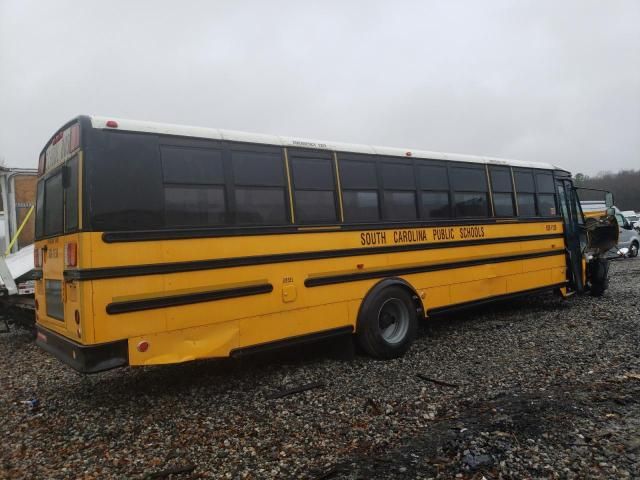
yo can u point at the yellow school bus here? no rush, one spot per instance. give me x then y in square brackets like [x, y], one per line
[159, 244]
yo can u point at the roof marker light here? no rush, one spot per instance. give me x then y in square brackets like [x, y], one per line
[112, 124]
[408, 154]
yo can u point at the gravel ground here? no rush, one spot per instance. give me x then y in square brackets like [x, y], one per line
[534, 388]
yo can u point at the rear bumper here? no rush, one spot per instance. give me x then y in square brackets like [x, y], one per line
[83, 358]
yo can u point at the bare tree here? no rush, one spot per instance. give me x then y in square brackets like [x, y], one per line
[625, 186]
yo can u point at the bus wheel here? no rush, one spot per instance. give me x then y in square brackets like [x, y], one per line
[599, 276]
[387, 323]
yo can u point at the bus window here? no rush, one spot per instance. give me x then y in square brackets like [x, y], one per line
[53, 205]
[398, 181]
[525, 193]
[314, 188]
[359, 183]
[434, 191]
[71, 195]
[546, 198]
[192, 166]
[259, 187]
[123, 178]
[187, 206]
[502, 190]
[547, 205]
[194, 193]
[469, 191]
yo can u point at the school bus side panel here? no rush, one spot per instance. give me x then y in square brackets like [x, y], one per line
[291, 308]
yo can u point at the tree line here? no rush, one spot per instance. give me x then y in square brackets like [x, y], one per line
[625, 186]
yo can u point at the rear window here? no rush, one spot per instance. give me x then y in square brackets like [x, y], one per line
[53, 200]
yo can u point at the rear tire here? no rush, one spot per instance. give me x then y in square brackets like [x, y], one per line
[599, 276]
[387, 323]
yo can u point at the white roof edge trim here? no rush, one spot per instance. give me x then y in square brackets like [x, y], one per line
[238, 136]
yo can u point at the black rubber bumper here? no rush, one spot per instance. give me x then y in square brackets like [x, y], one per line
[83, 358]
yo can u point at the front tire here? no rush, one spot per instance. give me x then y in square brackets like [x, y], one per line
[633, 250]
[387, 323]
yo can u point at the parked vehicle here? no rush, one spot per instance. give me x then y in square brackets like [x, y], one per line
[628, 237]
[633, 218]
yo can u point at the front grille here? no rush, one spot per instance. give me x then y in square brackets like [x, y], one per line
[53, 295]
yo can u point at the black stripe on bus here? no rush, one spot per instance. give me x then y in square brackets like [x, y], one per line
[176, 267]
[181, 234]
[186, 299]
[357, 276]
[483, 301]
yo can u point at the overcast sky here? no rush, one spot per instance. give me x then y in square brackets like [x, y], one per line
[555, 81]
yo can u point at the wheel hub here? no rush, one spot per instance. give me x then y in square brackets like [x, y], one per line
[387, 320]
[393, 320]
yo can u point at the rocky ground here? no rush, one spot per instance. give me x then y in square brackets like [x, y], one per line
[534, 388]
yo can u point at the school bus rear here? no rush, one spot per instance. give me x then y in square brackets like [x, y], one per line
[64, 308]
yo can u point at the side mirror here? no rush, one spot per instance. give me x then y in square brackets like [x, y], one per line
[608, 199]
[627, 226]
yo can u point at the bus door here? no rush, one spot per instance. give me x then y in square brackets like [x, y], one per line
[572, 217]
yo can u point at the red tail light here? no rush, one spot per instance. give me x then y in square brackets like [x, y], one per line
[71, 254]
[37, 257]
